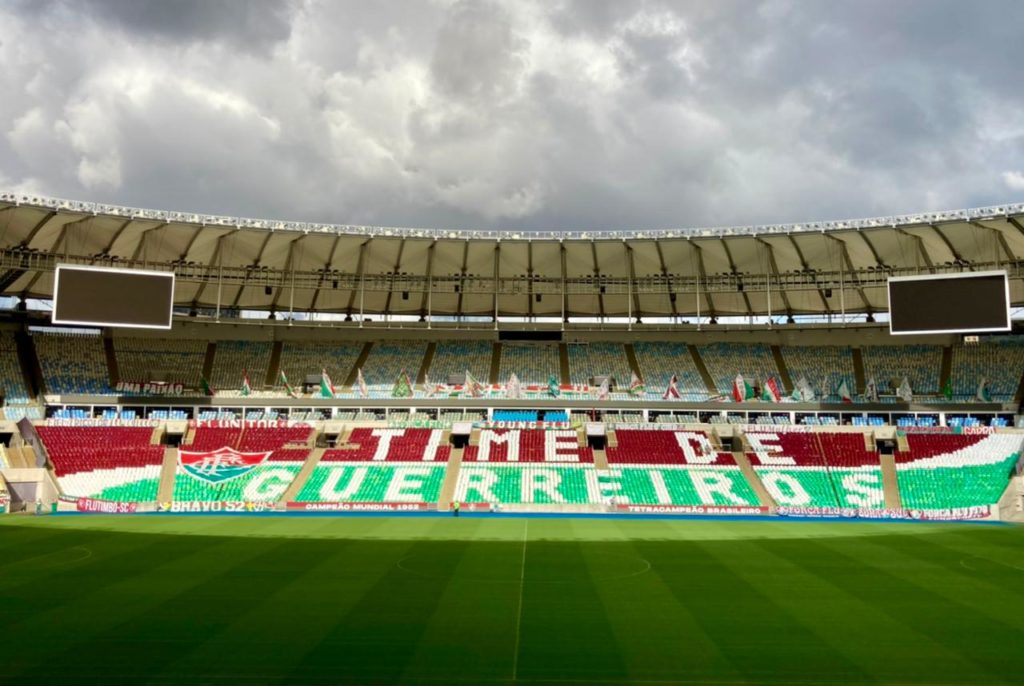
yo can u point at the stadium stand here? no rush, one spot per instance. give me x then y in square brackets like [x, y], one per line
[528, 445]
[658, 361]
[153, 359]
[299, 360]
[888, 364]
[995, 360]
[533, 363]
[12, 381]
[386, 361]
[231, 361]
[110, 463]
[824, 367]
[72, 363]
[942, 470]
[725, 360]
[456, 357]
[587, 360]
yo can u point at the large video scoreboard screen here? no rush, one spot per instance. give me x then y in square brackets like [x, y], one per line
[975, 302]
[103, 296]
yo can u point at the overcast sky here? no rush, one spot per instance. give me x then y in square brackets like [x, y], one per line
[549, 114]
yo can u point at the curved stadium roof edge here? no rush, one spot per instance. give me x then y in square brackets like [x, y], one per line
[893, 221]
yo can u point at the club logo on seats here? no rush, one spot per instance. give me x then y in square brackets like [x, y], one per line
[218, 466]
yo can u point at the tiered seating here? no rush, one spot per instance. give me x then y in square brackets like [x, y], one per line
[299, 360]
[659, 361]
[955, 470]
[150, 359]
[824, 367]
[794, 467]
[455, 357]
[530, 445]
[997, 359]
[888, 364]
[598, 359]
[110, 463]
[512, 484]
[725, 360]
[265, 482]
[72, 363]
[661, 447]
[533, 363]
[12, 380]
[391, 445]
[231, 361]
[386, 361]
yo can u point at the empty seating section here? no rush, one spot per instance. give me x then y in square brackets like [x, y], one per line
[659, 361]
[379, 482]
[824, 367]
[288, 443]
[111, 463]
[888, 364]
[386, 361]
[391, 445]
[12, 380]
[299, 360]
[725, 360]
[533, 363]
[156, 359]
[529, 445]
[72, 363]
[955, 470]
[598, 359]
[661, 447]
[999, 360]
[456, 357]
[233, 359]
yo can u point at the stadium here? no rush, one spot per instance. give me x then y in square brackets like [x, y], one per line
[327, 453]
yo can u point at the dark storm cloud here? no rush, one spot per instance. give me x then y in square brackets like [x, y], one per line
[476, 113]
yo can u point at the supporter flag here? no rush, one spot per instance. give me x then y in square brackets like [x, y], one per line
[982, 395]
[553, 390]
[288, 386]
[204, 385]
[473, 387]
[673, 388]
[804, 387]
[403, 386]
[246, 386]
[326, 387]
[947, 389]
[429, 387]
[844, 392]
[741, 390]
[904, 391]
[364, 391]
[871, 390]
[605, 389]
[514, 389]
[636, 386]
[771, 392]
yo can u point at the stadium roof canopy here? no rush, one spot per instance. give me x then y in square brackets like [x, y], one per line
[815, 268]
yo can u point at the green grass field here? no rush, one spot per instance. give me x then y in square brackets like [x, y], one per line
[282, 600]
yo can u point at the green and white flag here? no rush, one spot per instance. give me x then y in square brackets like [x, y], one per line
[553, 389]
[983, 395]
[246, 386]
[287, 386]
[402, 387]
[326, 387]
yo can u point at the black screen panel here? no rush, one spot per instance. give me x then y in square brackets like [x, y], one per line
[962, 303]
[113, 297]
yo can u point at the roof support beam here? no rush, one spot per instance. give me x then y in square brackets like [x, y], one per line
[461, 285]
[394, 273]
[703, 278]
[732, 268]
[357, 284]
[248, 272]
[852, 271]
[949, 244]
[1000, 240]
[871, 246]
[142, 240]
[597, 278]
[497, 278]
[775, 271]
[289, 268]
[117, 234]
[215, 258]
[1016, 224]
[324, 271]
[565, 276]
[529, 280]
[807, 269]
[425, 299]
[191, 241]
[920, 248]
[39, 227]
[630, 260]
[668, 280]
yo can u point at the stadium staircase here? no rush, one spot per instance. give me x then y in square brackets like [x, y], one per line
[763, 496]
[947, 366]
[495, 372]
[1019, 395]
[451, 478]
[858, 370]
[211, 352]
[428, 359]
[113, 372]
[563, 364]
[302, 477]
[1011, 503]
[353, 374]
[30, 367]
[165, 491]
[890, 486]
[600, 459]
[634, 366]
[705, 375]
[780, 362]
[275, 364]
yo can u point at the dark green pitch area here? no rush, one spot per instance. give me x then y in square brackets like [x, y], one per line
[292, 600]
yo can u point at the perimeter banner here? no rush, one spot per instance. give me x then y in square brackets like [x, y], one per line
[953, 513]
[361, 507]
[692, 509]
[182, 506]
[105, 506]
[848, 512]
[5, 504]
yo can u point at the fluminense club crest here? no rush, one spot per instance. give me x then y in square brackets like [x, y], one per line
[218, 466]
